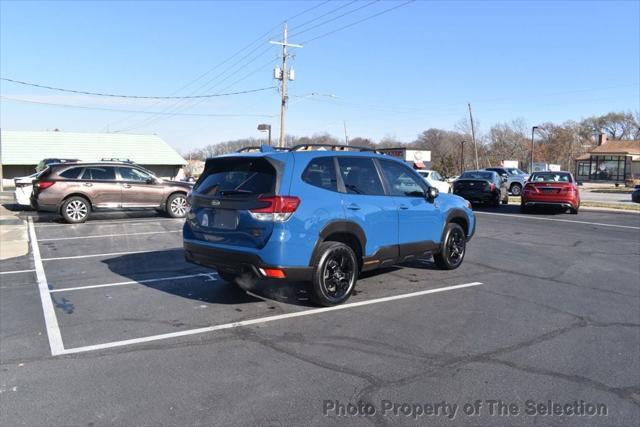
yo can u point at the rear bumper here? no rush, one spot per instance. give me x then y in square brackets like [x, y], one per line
[237, 262]
[477, 197]
[41, 207]
[565, 204]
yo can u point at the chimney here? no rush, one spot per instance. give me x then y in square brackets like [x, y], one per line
[602, 139]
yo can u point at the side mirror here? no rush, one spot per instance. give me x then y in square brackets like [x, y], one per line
[151, 180]
[432, 193]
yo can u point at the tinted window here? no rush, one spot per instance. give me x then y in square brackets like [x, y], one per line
[551, 177]
[401, 179]
[132, 174]
[237, 176]
[360, 176]
[72, 173]
[321, 172]
[99, 173]
[437, 176]
[479, 175]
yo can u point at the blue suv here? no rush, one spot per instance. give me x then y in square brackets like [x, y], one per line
[319, 214]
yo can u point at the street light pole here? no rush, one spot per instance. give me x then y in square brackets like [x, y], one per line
[533, 130]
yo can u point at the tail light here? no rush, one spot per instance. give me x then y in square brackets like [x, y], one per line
[42, 185]
[530, 188]
[278, 209]
[492, 186]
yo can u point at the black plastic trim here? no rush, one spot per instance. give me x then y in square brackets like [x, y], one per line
[236, 262]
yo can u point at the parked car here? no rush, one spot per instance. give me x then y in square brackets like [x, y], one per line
[434, 179]
[76, 189]
[482, 186]
[319, 216]
[635, 196]
[23, 188]
[515, 178]
[557, 189]
[42, 165]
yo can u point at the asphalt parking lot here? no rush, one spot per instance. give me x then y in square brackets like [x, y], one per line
[104, 323]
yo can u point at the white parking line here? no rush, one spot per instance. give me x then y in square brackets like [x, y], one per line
[50, 319]
[558, 220]
[16, 271]
[261, 320]
[96, 255]
[111, 235]
[134, 282]
[110, 223]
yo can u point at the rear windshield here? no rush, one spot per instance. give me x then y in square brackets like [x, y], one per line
[478, 175]
[237, 177]
[550, 177]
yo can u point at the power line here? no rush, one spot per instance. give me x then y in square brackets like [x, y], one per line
[256, 41]
[119, 110]
[335, 18]
[296, 27]
[111, 95]
[358, 21]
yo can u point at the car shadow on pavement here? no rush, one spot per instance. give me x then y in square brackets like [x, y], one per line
[208, 289]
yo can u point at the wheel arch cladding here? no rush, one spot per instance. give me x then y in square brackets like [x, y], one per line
[345, 232]
[459, 217]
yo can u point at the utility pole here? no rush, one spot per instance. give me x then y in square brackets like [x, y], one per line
[346, 138]
[283, 75]
[462, 156]
[473, 137]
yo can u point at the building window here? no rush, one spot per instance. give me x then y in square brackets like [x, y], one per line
[608, 168]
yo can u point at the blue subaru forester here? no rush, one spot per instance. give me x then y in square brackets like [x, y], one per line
[319, 214]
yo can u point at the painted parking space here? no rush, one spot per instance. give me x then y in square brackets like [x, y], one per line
[129, 285]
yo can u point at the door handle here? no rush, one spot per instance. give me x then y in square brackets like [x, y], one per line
[126, 185]
[404, 207]
[87, 184]
[353, 207]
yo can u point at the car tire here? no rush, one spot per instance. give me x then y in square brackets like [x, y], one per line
[75, 210]
[573, 211]
[496, 203]
[177, 205]
[453, 248]
[335, 273]
[524, 209]
[516, 189]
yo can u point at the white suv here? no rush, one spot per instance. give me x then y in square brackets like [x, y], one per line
[434, 179]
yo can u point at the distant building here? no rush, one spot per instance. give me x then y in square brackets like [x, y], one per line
[419, 159]
[610, 160]
[21, 151]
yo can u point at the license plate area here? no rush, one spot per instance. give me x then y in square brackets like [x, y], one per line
[224, 219]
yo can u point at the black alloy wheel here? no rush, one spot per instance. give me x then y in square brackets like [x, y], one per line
[336, 272]
[453, 248]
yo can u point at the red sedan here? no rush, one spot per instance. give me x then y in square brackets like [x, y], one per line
[550, 189]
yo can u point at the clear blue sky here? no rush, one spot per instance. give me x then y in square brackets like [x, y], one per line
[395, 75]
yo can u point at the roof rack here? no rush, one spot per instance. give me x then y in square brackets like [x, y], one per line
[116, 159]
[260, 148]
[330, 147]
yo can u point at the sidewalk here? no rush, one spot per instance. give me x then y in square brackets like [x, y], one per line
[14, 239]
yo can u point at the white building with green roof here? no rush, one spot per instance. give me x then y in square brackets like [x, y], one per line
[21, 151]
